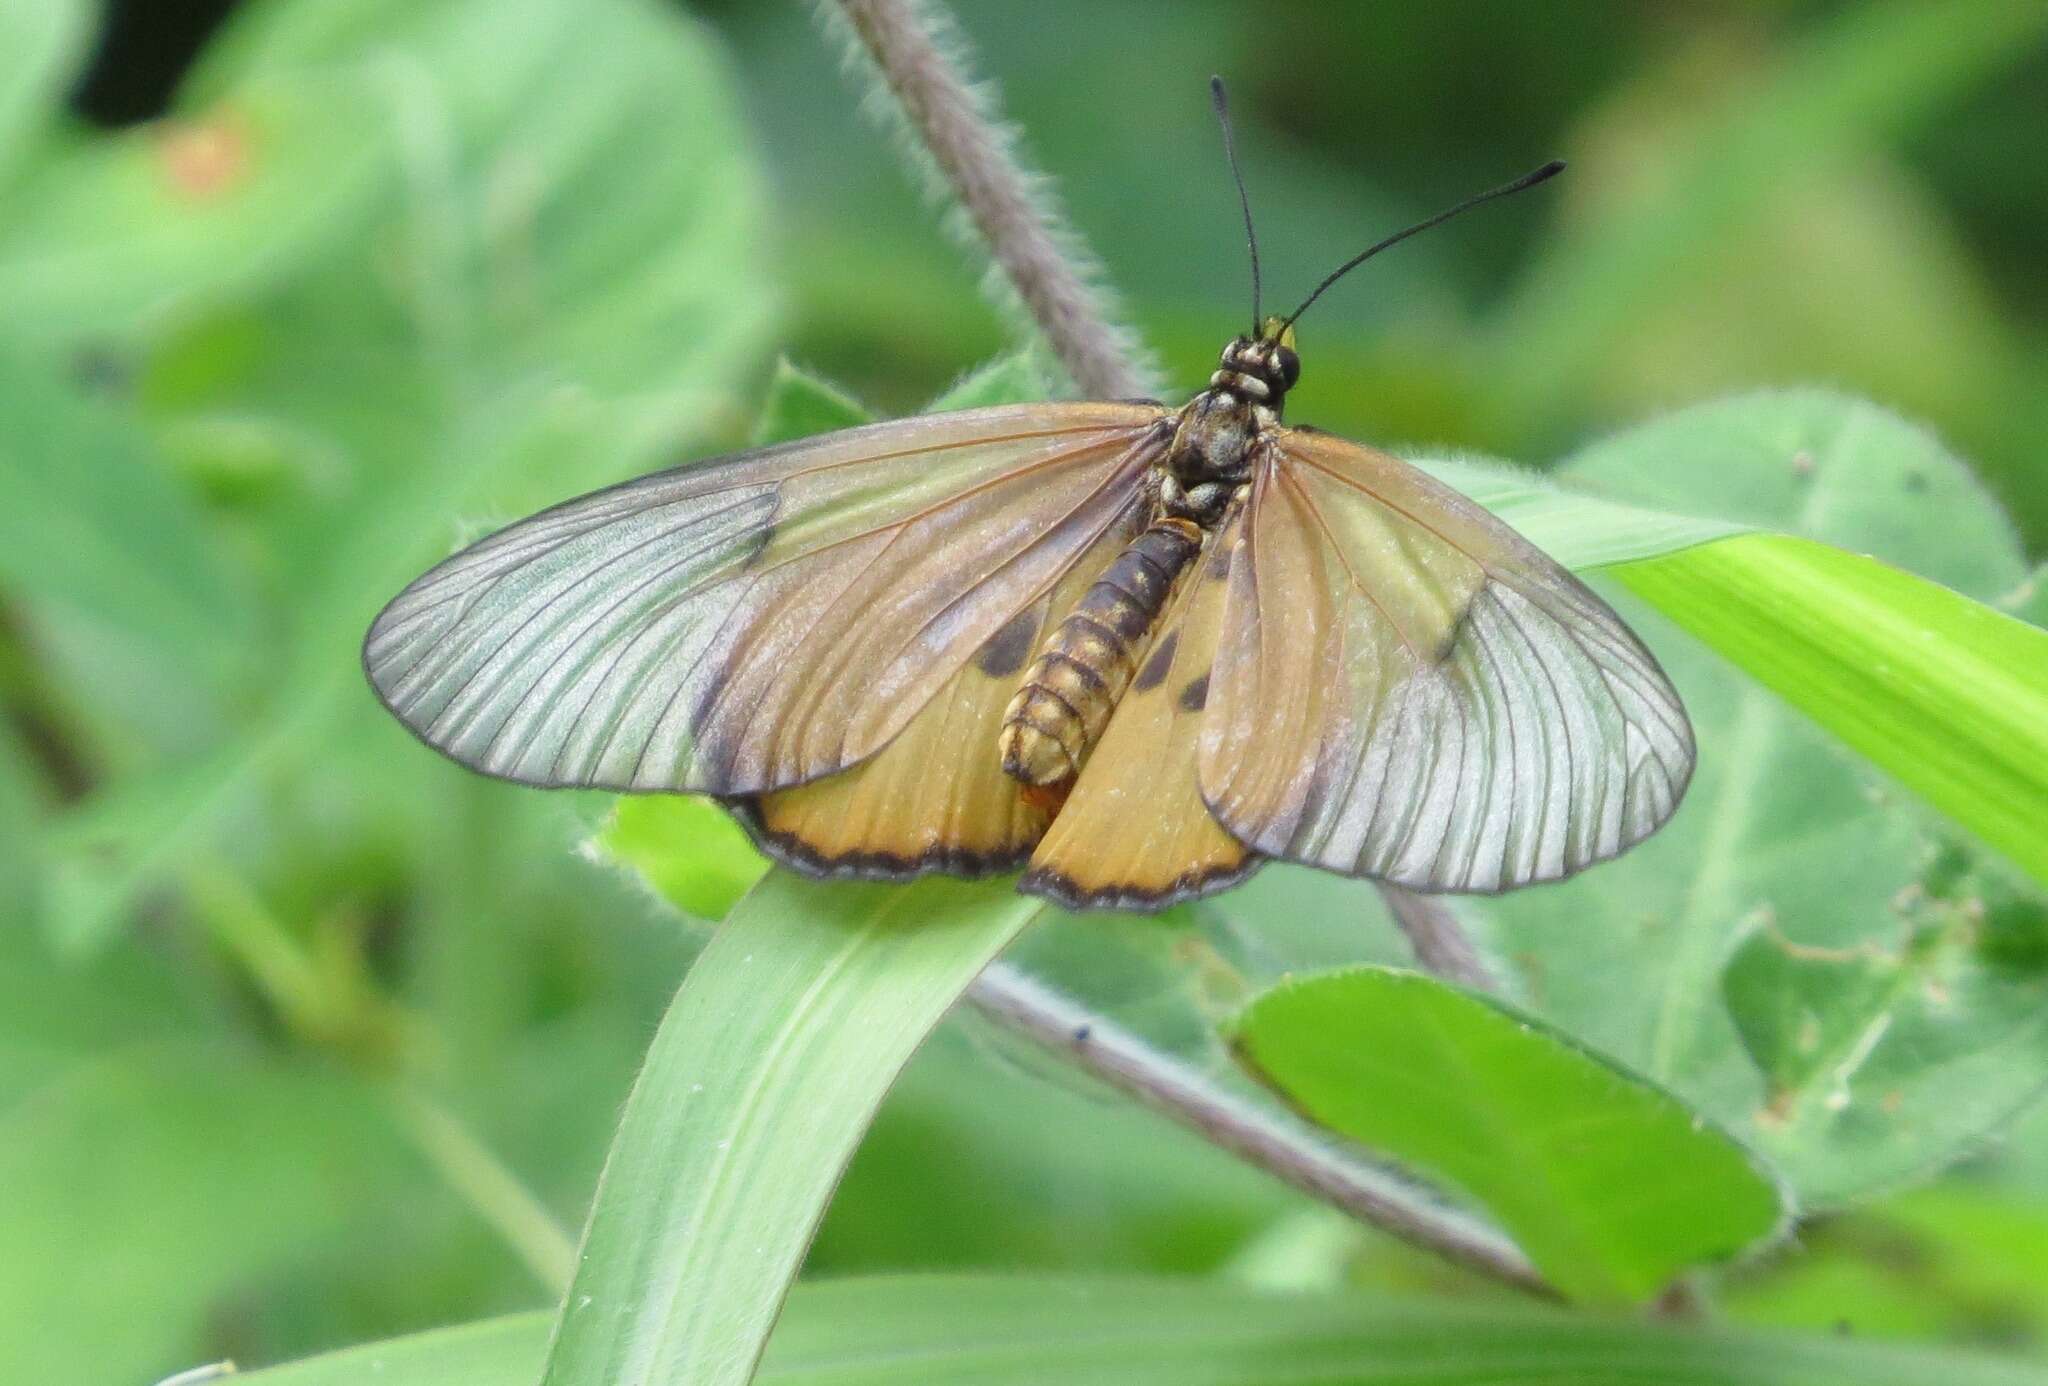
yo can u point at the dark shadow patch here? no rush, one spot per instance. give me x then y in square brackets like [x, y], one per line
[1154, 672]
[1007, 650]
[1195, 696]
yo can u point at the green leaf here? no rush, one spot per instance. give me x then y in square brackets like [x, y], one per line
[1947, 1015]
[120, 232]
[1612, 1185]
[1806, 1014]
[538, 300]
[1946, 693]
[1574, 525]
[43, 41]
[772, 1061]
[800, 404]
[1012, 379]
[1782, 834]
[1025, 1331]
[689, 850]
[92, 532]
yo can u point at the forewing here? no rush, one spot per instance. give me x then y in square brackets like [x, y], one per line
[758, 621]
[1407, 689]
[1134, 832]
[935, 798]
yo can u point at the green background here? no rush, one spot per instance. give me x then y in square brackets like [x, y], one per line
[308, 1039]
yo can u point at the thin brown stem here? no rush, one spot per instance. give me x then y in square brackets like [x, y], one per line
[1440, 942]
[1282, 1145]
[973, 163]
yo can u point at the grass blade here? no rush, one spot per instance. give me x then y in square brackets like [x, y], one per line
[1947, 694]
[782, 1042]
[1088, 1331]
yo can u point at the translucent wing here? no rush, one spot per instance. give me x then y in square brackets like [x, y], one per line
[1405, 688]
[1134, 833]
[935, 798]
[758, 621]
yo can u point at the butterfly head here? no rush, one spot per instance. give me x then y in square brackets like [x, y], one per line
[1261, 369]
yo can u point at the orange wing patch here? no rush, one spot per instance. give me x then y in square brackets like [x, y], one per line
[935, 798]
[1134, 833]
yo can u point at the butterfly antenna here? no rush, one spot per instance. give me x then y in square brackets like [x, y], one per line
[1251, 237]
[1526, 181]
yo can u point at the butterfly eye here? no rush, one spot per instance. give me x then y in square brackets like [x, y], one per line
[1288, 364]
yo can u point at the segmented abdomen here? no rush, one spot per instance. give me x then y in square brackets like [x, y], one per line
[1072, 687]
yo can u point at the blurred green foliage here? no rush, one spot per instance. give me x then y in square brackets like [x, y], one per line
[393, 270]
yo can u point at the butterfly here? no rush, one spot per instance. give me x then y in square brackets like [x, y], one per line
[1130, 650]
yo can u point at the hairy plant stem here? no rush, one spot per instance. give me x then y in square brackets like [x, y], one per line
[973, 164]
[1283, 1146]
[1440, 942]
[970, 158]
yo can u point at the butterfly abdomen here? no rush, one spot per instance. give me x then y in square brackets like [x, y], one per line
[1072, 687]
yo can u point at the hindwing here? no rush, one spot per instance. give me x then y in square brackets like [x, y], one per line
[1407, 689]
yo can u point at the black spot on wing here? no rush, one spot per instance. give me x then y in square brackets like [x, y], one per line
[1154, 672]
[1195, 696]
[1008, 649]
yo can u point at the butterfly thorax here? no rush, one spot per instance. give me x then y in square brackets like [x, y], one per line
[1092, 655]
[1216, 434]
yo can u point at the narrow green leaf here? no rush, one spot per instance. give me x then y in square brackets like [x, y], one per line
[778, 1049]
[1945, 693]
[1575, 526]
[1027, 1331]
[1612, 1185]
